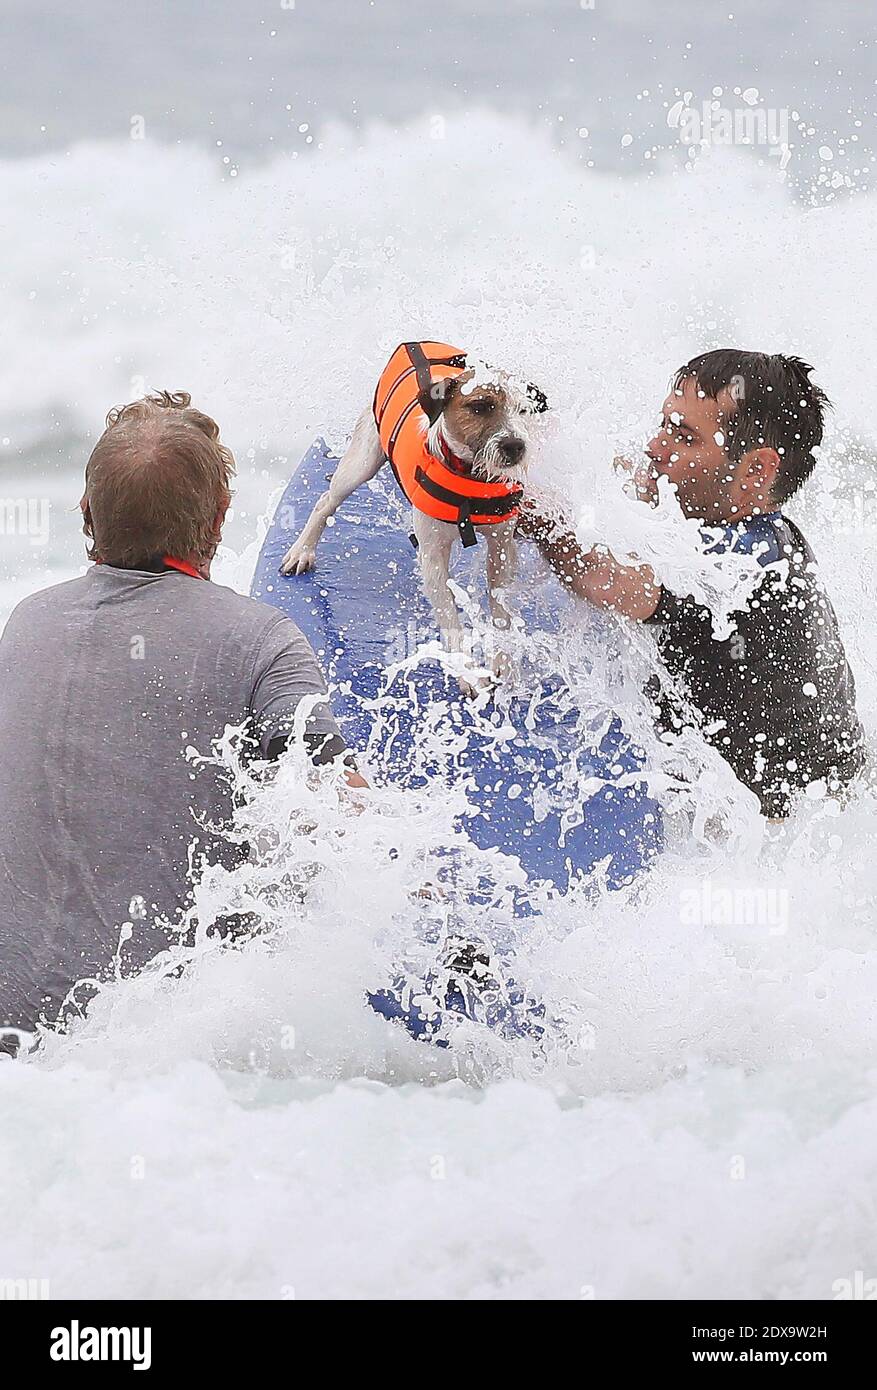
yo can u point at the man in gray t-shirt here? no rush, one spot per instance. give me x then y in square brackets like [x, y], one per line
[105, 682]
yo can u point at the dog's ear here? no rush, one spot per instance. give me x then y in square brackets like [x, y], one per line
[433, 401]
[538, 399]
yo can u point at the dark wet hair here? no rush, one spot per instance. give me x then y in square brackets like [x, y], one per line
[778, 406]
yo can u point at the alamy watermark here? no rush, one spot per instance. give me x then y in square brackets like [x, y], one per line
[713, 903]
[854, 515]
[712, 123]
[77, 1343]
[23, 1290]
[858, 1288]
[480, 646]
[26, 516]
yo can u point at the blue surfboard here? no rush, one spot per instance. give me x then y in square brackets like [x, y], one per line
[363, 611]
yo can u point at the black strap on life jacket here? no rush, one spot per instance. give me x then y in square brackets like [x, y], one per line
[484, 506]
[464, 524]
[430, 404]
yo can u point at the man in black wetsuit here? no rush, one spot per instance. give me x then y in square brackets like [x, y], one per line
[777, 698]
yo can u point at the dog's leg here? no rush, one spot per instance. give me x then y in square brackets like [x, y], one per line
[501, 568]
[362, 459]
[435, 541]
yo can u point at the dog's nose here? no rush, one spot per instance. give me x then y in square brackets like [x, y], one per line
[512, 450]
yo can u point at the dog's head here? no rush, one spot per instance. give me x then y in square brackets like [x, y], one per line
[483, 417]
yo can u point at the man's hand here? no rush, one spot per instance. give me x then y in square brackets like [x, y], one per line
[642, 480]
[533, 522]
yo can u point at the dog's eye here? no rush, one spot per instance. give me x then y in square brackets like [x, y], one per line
[482, 407]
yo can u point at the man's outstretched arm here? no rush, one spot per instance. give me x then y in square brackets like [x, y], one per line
[287, 672]
[323, 751]
[593, 574]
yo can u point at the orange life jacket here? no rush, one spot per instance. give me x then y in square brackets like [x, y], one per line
[404, 408]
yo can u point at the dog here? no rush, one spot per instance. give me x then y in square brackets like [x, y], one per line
[457, 435]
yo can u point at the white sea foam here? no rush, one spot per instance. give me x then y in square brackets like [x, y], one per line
[703, 1124]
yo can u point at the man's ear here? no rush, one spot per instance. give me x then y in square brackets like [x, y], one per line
[433, 401]
[760, 468]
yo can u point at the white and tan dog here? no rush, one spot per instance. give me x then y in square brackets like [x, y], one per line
[456, 434]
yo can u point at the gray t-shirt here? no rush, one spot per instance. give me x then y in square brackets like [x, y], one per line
[105, 682]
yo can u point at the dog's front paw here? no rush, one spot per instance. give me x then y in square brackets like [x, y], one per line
[502, 666]
[298, 559]
[476, 686]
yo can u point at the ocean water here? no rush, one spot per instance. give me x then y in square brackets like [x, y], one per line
[245, 78]
[701, 1125]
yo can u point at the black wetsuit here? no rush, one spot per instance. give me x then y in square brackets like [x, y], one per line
[777, 698]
